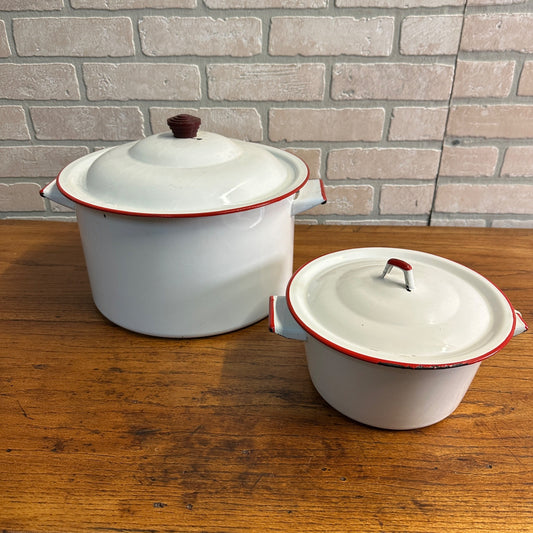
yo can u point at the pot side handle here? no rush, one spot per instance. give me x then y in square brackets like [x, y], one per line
[521, 325]
[52, 192]
[282, 322]
[310, 195]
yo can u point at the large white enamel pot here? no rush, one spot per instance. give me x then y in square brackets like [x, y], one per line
[186, 234]
[393, 337]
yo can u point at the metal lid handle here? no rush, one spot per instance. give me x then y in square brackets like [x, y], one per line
[407, 272]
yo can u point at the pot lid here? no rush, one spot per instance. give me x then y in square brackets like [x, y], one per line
[401, 307]
[183, 174]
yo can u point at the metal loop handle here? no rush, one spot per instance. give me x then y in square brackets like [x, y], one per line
[407, 272]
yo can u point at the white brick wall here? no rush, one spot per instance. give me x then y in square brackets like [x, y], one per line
[412, 111]
[73, 36]
[431, 35]
[263, 82]
[106, 123]
[331, 36]
[141, 81]
[392, 81]
[345, 124]
[201, 36]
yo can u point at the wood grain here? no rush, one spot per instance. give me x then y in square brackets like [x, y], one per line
[102, 429]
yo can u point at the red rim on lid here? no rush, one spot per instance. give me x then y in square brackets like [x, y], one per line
[401, 307]
[183, 174]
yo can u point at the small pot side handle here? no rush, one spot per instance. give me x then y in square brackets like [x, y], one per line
[521, 325]
[52, 192]
[282, 322]
[310, 195]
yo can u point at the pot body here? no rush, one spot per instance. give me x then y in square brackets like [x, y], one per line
[385, 396]
[187, 277]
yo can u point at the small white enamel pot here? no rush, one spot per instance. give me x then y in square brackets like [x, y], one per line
[186, 234]
[393, 337]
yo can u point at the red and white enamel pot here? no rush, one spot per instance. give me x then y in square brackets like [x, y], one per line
[186, 234]
[393, 337]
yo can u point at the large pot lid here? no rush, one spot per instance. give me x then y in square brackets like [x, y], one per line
[183, 174]
[401, 307]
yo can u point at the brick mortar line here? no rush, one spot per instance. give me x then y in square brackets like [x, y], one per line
[481, 180]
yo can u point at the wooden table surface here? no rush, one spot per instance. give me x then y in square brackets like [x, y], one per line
[102, 429]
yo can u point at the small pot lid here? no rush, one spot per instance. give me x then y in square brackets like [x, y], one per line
[183, 174]
[401, 307]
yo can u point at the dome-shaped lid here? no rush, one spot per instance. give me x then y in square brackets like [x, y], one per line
[401, 307]
[179, 175]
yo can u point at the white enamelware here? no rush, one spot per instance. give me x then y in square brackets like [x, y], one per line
[393, 337]
[186, 236]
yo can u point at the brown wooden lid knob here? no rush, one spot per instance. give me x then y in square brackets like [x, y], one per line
[184, 126]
